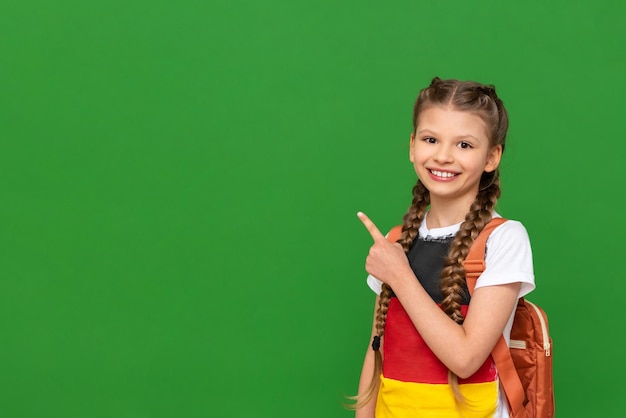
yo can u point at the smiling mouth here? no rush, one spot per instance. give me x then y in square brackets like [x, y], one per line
[442, 174]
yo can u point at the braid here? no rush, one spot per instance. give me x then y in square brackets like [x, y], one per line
[381, 311]
[410, 226]
[415, 215]
[453, 273]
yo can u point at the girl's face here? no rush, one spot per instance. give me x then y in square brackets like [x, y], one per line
[450, 150]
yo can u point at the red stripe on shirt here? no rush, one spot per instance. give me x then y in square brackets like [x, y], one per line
[407, 357]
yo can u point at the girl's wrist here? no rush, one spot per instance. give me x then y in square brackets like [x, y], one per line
[402, 281]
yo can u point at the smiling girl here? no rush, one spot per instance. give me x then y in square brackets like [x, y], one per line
[431, 343]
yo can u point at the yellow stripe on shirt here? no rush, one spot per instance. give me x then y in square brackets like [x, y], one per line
[397, 399]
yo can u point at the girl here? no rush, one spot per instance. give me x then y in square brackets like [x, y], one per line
[437, 342]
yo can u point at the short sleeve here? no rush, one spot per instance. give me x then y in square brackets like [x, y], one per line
[374, 284]
[508, 258]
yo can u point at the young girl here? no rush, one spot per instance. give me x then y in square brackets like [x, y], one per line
[437, 342]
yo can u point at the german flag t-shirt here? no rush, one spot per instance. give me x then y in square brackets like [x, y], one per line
[414, 382]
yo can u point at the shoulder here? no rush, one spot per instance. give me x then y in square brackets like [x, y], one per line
[508, 257]
[510, 239]
[509, 232]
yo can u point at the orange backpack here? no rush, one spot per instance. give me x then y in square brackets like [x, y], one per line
[524, 368]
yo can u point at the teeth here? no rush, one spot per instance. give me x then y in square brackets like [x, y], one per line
[444, 174]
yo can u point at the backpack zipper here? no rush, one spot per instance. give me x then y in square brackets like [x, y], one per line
[544, 328]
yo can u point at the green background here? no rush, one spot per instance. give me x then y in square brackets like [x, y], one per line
[179, 183]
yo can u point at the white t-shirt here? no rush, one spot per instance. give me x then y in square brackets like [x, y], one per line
[508, 259]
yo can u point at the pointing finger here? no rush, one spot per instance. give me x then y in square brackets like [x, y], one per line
[373, 230]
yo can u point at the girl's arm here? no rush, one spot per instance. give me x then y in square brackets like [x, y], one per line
[367, 411]
[462, 348]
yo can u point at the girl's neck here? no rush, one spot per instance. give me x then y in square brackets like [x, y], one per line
[446, 213]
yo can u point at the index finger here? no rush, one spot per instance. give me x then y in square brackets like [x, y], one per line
[373, 230]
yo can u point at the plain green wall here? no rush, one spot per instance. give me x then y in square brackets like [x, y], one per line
[179, 183]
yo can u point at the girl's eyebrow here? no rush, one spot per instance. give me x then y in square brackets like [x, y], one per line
[429, 132]
[425, 131]
[467, 136]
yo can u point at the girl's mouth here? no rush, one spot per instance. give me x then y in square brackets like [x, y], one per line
[442, 174]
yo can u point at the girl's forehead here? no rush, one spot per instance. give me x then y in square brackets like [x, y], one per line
[449, 120]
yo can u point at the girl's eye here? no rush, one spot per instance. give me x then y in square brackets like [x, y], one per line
[430, 140]
[465, 145]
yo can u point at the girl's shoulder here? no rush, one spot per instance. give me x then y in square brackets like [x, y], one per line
[508, 258]
[508, 232]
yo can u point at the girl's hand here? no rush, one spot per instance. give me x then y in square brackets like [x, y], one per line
[386, 261]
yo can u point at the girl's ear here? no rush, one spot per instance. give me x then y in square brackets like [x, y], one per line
[411, 143]
[493, 159]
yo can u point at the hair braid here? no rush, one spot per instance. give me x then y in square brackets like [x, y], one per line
[410, 226]
[453, 273]
[414, 216]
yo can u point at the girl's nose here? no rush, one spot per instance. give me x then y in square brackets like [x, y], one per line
[444, 155]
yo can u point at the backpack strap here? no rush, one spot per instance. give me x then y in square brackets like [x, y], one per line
[474, 266]
[475, 261]
[395, 233]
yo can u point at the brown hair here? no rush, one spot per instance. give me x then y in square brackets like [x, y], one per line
[481, 100]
